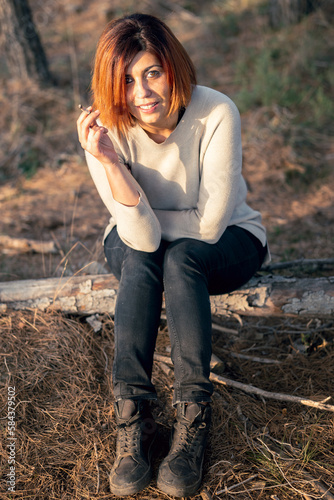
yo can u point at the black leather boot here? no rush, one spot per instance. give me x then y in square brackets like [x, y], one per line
[132, 471]
[180, 473]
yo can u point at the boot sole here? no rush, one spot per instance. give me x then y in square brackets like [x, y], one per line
[176, 491]
[132, 488]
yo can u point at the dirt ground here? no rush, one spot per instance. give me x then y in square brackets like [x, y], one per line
[260, 447]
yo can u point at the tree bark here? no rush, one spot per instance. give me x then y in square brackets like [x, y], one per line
[21, 43]
[264, 296]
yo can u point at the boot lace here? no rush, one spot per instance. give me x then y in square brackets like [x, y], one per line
[129, 439]
[188, 437]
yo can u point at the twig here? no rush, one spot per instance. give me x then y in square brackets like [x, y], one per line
[166, 360]
[165, 368]
[215, 326]
[98, 470]
[251, 389]
[163, 359]
[255, 358]
[307, 476]
[205, 494]
[269, 443]
[300, 262]
[320, 487]
[106, 358]
[223, 329]
[236, 485]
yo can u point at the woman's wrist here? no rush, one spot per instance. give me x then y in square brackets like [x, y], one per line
[111, 165]
[122, 184]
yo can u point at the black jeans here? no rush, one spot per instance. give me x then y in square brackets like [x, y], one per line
[188, 271]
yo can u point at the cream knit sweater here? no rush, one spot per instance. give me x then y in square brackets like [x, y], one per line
[190, 186]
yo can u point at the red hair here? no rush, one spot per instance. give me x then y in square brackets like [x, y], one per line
[119, 43]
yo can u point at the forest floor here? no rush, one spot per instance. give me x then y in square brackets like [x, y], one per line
[61, 368]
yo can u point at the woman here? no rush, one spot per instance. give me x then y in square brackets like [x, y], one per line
[165, 155]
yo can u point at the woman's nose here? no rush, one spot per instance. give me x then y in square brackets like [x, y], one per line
[142, 89]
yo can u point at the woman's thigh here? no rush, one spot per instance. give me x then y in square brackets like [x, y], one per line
[225, 265]
[235, 258]
[124, 260]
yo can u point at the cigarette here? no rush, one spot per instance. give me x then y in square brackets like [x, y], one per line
[84, 109]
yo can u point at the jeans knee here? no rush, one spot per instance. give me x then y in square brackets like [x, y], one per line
[141, 268]
[182, 258]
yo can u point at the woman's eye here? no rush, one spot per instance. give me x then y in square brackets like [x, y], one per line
[128, 80]
[153, 73]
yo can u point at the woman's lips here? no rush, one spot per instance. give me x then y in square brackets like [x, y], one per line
[147, 108]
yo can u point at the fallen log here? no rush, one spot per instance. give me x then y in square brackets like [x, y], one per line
[262, 296]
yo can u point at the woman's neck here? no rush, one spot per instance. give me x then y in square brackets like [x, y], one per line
[159, 135]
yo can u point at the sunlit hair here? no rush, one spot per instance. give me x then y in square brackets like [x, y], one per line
[119, 43]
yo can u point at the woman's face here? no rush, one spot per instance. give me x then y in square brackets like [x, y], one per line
[148, 94]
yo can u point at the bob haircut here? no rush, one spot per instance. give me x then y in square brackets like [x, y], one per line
[119, 43]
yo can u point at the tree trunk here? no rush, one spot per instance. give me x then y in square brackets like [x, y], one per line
[265, 296]
[288, 12]
[21, 43]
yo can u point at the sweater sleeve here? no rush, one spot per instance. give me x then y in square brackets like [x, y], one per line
[137, 226]
[221, 186]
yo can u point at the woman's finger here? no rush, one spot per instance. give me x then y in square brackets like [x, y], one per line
[84, 114]
[88, 119]
[95, 136]
[84, 123]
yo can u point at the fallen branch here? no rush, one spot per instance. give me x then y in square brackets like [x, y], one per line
[255, 359]
[251, 389]
[166, 360]
[264, 296]
[12, 246]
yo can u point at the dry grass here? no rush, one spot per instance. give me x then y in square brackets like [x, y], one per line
[65, 430]
[61, 369]
[35, 123]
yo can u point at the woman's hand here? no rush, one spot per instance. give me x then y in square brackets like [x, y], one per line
[94, 139]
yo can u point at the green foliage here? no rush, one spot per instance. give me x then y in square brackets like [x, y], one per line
[264, 83]
[322, 107]
[289, 71]
[30, 161]
[229, 25]
[263, 459]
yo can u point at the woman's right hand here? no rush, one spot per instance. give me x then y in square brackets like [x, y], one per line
[94, 138]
